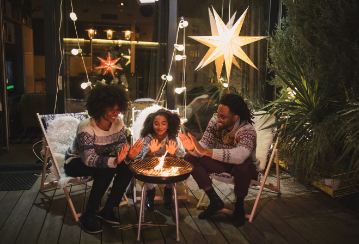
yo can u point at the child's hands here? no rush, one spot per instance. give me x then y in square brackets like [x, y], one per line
[171, 147]
[135, 149]
[122, 154]
[154, 146]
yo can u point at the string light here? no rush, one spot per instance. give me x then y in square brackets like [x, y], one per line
[180, 57]
[76, 51]
[84, 85]
[179, 90]
[179, 47]
[73, 16]
[225, 84]
[169, 77]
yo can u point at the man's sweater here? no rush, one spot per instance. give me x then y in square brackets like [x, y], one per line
[97, 148]
[235, 150]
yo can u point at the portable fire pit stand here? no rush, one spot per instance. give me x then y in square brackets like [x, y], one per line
[142, 210]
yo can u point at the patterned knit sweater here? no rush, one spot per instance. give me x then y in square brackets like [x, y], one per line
[234, 151]
[145, 149]
[97, 148]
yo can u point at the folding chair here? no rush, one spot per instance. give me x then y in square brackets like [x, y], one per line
[136, 113]
[58, 178]
[263, 147]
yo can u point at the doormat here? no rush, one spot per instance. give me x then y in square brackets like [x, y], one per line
[17, 181]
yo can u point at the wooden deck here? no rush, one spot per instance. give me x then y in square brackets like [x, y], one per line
[295, 216]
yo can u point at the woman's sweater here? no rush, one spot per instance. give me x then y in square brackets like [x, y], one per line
[97, 148]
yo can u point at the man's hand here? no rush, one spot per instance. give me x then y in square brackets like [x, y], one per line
[186, 142]
[135, 150]
[199, 148]
[122, 154]
[154, 146]
[171, 147]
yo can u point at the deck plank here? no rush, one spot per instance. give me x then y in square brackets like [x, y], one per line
[2, 194]
[16, 219]
[306, 218]
[128, 216]
[33, 224]
[71, 230]
[7, 205]
[260, 227]
[51, 229]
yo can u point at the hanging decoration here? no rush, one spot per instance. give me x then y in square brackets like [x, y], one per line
[108, 65]
[128, 57]
[225, 43]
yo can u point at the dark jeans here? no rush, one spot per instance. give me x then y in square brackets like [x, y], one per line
[102, 179]
[243, 173]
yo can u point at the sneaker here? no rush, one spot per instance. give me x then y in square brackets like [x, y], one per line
[108, 216]
[89, 224]
[150, 199]
[168, 199]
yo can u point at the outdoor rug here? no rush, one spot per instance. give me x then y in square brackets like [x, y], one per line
[16, 181]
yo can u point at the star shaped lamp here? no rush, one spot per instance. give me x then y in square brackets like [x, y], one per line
[108, 65]
[225, 43]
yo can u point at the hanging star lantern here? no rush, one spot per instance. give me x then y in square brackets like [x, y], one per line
[225, 43]
[108, 65]
[128, 57]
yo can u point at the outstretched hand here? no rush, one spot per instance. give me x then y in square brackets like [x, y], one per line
[199, 148]
[135, 149]
[171, 147]
[154, 146]
[186, 142]
[122, 154]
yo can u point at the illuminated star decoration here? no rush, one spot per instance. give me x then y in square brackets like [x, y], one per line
[128, 57]
[225, 43]
[108, 65]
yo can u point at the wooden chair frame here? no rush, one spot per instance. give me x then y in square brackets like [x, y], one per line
[262, 185]
[157, 198]
[54, 184]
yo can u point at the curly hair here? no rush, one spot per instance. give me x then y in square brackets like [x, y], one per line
[173, 121]
[237, 106]
[106, 96]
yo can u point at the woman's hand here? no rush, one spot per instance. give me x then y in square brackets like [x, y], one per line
[171, 147]
[154, 146]
[135, 150]
[199, 148]
[122, 154]
[186, 142]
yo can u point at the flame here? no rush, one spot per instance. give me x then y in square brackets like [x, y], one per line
[162, 161]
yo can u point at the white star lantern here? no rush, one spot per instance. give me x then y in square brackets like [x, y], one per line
[225, 43]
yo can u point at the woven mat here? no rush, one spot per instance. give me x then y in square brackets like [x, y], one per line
[17, 181]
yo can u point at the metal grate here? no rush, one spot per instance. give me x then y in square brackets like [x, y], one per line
[145, 166]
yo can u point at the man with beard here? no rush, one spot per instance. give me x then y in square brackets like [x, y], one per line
[228, 145]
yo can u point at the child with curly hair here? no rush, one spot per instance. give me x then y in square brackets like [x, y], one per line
[159, 133]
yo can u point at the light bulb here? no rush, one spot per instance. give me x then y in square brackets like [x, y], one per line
[84, 85]
[75, 51]
[225, 84]
[179, 47]
[169, 77]
[163, 77]
[185, 23]
[180, 57]
[73, 16]
[180, 25]
[179, 90]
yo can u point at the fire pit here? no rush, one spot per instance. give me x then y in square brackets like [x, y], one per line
[173, 170]
[160, 171]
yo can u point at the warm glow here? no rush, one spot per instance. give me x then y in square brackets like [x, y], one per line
[162, 161]
[73, 16]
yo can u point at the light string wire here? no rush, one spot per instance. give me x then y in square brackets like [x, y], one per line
[62, 57]
[78, 43]
[184, 74]
[165, 81]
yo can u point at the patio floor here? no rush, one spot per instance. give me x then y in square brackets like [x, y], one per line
[295, 216]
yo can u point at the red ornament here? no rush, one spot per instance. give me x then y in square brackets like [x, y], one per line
[108, 65]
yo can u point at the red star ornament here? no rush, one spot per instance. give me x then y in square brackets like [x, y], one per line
[108, 65]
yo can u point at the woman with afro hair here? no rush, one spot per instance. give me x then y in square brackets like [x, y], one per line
[159, 133]
[100, 150]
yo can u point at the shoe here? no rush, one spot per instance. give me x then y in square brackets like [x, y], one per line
[168, 198]
[90, 224]
[215, 204]
[150, 199]
[239, 218]
[108, 216]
